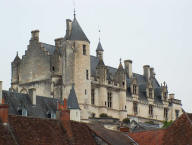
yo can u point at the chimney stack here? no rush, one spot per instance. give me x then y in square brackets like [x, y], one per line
[58, 42]
[35, 35]
[128, 68]
[146, 71]
[32, 95]
[152, 73]
[4, 113]
[171, 96]
[1, 93]
[69, 28]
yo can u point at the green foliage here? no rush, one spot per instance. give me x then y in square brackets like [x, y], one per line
[167, 124]
[103, 115]
[126, 121]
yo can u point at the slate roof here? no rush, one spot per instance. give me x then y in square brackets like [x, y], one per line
[99, 47]
[72, 102]
[37, 131]
[77, 32]
[179, 133]
[50, 48]
[140, 79]
[112, 137]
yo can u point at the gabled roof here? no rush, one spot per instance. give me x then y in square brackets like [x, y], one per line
[37, 131]
[50, 48]
[179, 133]
[77, 32]
[72, 102]
[99, 47]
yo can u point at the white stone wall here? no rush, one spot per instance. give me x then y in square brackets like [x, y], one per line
[75, 114]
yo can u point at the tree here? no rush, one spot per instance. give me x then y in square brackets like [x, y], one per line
[167, 124]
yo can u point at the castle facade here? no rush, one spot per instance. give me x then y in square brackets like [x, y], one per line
[118, 92]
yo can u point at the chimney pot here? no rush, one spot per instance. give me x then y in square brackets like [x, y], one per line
[69, 28]
[172, 96]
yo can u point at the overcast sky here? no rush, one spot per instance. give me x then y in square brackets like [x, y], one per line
[153, 32]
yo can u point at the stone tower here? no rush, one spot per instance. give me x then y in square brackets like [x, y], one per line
[76, 63]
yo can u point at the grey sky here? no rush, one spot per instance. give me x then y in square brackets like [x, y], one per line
[154, 32]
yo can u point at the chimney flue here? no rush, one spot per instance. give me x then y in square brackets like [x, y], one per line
[128, 68]
[152, 73]
[69, 28]
[171, 96]
[146, 71]
[58, 42]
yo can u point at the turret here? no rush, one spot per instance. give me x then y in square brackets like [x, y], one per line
[101, 72]
[120, 75]
[99, 50]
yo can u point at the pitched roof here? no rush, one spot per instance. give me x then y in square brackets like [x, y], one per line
[50, 48]
[38, 131]
[99, 47]
[72, 102]
[41, 109]
[112, 137]
[77, 32]
[179, 133]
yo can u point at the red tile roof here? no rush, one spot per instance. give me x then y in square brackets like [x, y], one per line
[179, 133]
[36, 131]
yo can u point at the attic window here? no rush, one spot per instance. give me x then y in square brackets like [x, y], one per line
[84, 49]
[22, 111]
[150, 93]
[151, 110]
[176, 113]
[134, 89]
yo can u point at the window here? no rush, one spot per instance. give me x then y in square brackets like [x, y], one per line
[176, 113]
[166, 113]
[22, 111]
[92, 96]
[151, 110]
[150, 93]
[87, 74]
[165, 95]
[134, 89]
[84, 49]
[109, 99]
[125, 107]
[51, 115]
[135, 109]
[53, 68]
[123, 84]
[85, 92]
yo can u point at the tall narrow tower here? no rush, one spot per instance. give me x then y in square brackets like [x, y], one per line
[78, 63]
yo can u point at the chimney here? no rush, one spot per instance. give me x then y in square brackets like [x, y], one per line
[171, 96]
[146, 71]
[128, 68]
[152, 73]
[63, 115]
[69, 28]
[35, 35]
[1, 94]
[32, 95]
[4, 113]
[58, 42]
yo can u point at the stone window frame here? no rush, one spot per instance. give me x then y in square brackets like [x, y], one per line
[176, 113]
[135, 107]
[150, 92]
[87, 74]
[134, 89]
[109, 99]
[84, 50]
[151, 110]
[93, 96]
[166, 113]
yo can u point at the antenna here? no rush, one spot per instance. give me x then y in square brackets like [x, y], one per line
[74, 8]
[99, 33]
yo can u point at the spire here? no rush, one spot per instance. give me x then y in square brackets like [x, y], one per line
[17, 58]
[120, 65]
[72, 102]
[74, 13]
[99, 47]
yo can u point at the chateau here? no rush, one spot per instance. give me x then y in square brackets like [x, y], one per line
[52, 70]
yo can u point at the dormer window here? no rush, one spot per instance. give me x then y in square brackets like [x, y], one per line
[22, 111]
[151, 110]
[84, 50]
[51, 115]
[150, 93]
[165, 95]
[134, 89]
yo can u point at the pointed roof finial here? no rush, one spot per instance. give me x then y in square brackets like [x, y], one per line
[99, 35]
[120, 60]
[17, 53]
[74, 12]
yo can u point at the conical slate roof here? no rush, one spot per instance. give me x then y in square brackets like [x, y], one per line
[17, 59]
[72, 102]
[99, 47]
[77, 32]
